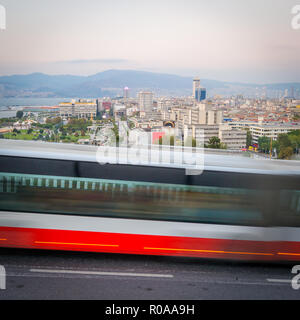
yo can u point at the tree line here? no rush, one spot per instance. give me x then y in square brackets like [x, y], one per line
[284, 146]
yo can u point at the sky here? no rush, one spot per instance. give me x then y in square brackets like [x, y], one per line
[228, 40]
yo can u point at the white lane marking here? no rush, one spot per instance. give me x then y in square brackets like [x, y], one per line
[280, 280]
[269, 282]
[100, 273]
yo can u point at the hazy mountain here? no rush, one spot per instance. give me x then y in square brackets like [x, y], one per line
[37, 80]
[111, 83]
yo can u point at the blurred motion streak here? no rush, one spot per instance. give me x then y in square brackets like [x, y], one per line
[228, 213]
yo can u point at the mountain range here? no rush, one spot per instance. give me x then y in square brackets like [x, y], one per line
[111, 83]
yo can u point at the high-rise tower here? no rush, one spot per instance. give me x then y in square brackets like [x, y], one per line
[126, 93]
[199, 93]
[196, 85]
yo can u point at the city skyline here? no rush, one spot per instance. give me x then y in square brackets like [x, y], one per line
[251, 42]
[113, 82]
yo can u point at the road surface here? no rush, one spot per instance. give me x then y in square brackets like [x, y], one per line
[48, 275]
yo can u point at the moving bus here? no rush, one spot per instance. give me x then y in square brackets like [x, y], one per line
[58, 197]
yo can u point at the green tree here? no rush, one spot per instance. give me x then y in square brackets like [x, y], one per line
[115, 130]
[189, 142]
[285, 153]
[7, 121]
[63, 131]
[172, 141]
[19, 114]
[294, 137]
[78, 124]
[194, 143]
[249, 139]
[264, 144]
[283, 140]
[223, 145]
[214, 142]
[54, 121]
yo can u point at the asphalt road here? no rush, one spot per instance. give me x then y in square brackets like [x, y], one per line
[55, 275]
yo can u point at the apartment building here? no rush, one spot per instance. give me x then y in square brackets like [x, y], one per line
[201, 114]
[145, 101]
[202, 133]
[270, 130]
[233, 138]
[86, 109]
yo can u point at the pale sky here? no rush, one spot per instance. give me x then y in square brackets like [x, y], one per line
[229, 40]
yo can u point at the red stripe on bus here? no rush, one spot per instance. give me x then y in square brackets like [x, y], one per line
[147, 244]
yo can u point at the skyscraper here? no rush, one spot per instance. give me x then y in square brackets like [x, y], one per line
[199, 93]
[196, 85]
[126, 93]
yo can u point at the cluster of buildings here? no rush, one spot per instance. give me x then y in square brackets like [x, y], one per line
[195, 116]
[18, 125]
